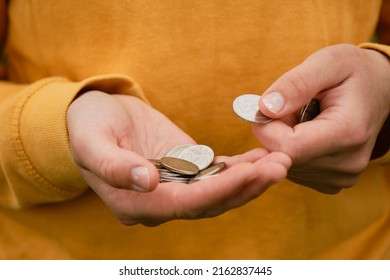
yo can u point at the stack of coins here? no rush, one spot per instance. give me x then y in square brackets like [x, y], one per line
[187, 163]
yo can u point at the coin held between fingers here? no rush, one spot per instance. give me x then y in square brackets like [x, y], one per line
[247, 108]
[310, 111]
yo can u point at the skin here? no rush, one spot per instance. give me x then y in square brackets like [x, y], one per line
[111, 135]
[108, 140]
[331, 151]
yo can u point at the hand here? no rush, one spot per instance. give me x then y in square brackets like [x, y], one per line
[331, 151]
[113, 136]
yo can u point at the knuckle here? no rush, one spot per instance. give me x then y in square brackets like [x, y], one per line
[357, 137]
[357, 166]
[336, 55]
[133, 219]
[105, 167]
[291, 148]
[299, 82]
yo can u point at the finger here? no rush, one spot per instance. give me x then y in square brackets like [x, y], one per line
[327, 182]
[270, 169]
[120, 168]
[330, 174]
[250, 156]
[233, 188]
[171, 201]
[298, 86]
[279, 137]
[329, 133]
[322, 187]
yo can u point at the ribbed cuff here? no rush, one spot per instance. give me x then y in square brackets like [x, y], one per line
[378, 47]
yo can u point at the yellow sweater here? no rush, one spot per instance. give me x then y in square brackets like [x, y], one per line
[191, 59]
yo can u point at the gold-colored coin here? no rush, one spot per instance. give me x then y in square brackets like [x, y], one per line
[156, 163]
[180, 166]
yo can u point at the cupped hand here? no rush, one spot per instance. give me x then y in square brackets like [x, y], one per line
[113, 136]
[331, 151]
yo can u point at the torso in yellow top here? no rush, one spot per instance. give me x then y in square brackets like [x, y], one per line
[192, 58]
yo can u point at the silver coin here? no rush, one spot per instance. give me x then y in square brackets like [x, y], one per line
[180, 166]
[246, 106]
[310, 111]
[210, 171]
[200, 155]
[177, 180]
[175, 151]
[193, 180]
[167, 174]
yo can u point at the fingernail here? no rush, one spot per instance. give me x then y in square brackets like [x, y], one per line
[274, 101]
[140, 178]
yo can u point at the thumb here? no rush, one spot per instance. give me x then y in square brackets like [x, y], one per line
[118, 167]
[294, 89]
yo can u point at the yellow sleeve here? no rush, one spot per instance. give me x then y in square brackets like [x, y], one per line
[35, 158]
[385, 159]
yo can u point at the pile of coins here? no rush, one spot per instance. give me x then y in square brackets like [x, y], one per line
[246, 106]
[187, 163]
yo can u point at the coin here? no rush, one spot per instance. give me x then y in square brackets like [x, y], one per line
[166, 173]
[193, 180]
[175, 179]
[156, 163]
[175, 151]
[200, 155]
[180, 166]
[246, 106]
[208, 172]
[310, 111]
